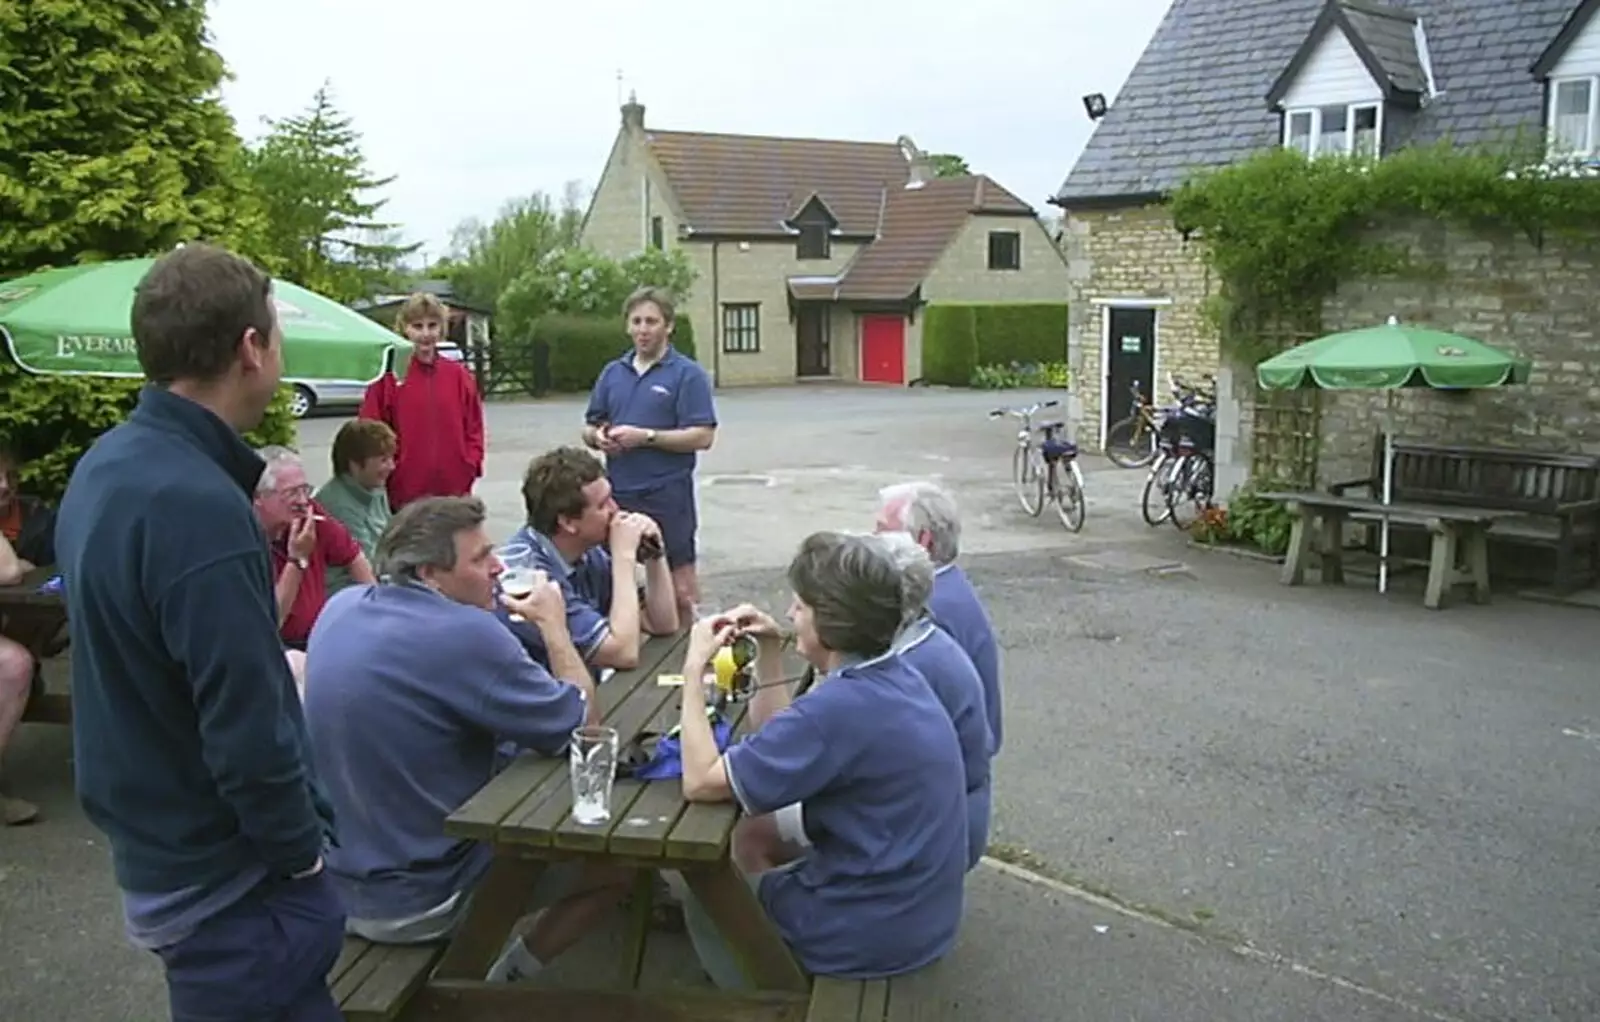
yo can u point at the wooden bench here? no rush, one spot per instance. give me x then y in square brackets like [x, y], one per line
[373, 982]
[1555, 498]
[897, 999]
[1460, 534]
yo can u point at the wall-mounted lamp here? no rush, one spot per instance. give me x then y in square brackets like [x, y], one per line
[1095, 104]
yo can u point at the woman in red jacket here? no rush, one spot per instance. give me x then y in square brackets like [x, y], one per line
[436, 414]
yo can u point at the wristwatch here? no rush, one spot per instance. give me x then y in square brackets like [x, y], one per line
[303, 563]
[650, 437]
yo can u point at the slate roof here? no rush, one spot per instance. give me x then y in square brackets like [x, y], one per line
[749, 185]
[1389, 35]
[1196, 97]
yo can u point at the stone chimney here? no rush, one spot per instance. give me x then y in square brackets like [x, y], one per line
[633, 114]
[920, 169]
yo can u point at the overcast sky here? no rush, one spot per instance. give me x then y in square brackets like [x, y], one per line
[474, 102]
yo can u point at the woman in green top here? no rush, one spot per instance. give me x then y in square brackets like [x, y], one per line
[363, 457]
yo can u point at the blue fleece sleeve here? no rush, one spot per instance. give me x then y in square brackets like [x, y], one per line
[218, 621]
[520, 700]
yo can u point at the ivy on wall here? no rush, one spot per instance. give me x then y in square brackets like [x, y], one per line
[1281, 231]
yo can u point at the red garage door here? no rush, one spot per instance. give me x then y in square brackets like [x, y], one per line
[883, 349]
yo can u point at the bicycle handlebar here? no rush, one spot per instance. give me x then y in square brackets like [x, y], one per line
[1020, 412]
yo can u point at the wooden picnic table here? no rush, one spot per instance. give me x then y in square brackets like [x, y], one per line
[524, 813]
[1459, 554]
[35, 620]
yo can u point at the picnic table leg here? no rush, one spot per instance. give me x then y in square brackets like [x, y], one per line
[744, 926]
[644, 893]
[1300, 535]
[1441, 565]
[1332, 546]
[1477, 540]
[503, 897]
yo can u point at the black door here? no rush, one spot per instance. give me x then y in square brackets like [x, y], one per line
[1130, 359]
[811, 339]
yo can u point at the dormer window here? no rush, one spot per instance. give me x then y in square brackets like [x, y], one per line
[1359, 62]
[1570, 69]
[1339, 129]
[1571, 122]
[813, 225]
[814, 241]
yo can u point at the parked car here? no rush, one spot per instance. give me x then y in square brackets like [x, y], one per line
[330, 395]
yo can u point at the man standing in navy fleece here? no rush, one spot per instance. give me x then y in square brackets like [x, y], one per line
[191, 749]
[651, 413]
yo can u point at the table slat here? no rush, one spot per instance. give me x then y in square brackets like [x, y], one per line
[704, 829]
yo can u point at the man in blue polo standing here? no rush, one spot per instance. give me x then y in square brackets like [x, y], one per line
[651, 413]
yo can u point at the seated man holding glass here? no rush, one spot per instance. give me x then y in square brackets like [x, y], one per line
[579, 538]
[412, 683]
[865, 765]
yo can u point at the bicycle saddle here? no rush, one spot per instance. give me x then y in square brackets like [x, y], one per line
[1053, 425]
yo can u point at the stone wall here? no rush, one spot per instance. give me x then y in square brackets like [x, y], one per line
[1542, 303]
[1125, 255]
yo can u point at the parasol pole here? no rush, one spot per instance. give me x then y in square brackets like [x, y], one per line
[1388, 482]
[1388, 496]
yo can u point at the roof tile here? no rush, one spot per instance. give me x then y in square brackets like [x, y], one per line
[1194, 98]
[751, 184]
[918, 225]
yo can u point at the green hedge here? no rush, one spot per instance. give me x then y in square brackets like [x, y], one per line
[52, 420]
[958, 337]
[580, 346]
[949, 344]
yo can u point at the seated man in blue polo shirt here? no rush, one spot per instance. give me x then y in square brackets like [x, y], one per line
[927, 513]
[412, 683]
[949, 672]
[650, 413]
[591, 549]
[866, 762]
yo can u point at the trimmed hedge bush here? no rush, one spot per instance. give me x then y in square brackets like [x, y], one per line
[949, 344]
[958, 337]
[580, 346]
[52, 420]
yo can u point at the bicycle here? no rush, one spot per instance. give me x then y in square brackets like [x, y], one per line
[1134, 441]
[1131, 440]
[1047, 470]
[1193, 484]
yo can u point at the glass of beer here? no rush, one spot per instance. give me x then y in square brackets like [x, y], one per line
[520, 575]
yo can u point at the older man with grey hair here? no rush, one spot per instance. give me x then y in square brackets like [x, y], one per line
[304, 541]
[954, 680]
[927, 513]
[411, 686]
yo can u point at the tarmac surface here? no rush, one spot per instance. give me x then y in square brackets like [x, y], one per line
[1219, 798]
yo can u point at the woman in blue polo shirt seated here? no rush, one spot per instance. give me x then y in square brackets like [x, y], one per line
[866, 765]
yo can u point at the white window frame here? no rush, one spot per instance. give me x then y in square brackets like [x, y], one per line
[1350, 110]
[1593, 81]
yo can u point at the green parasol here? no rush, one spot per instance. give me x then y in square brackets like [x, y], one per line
[75, 321]
[1390, 356]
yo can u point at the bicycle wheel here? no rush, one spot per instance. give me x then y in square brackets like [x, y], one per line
[1066, 491]
[1130, 443]
[1028, 480]
[1190, 495]
[1153, 502]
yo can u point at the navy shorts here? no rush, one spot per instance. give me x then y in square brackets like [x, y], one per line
[265, 958]
[672, 506]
